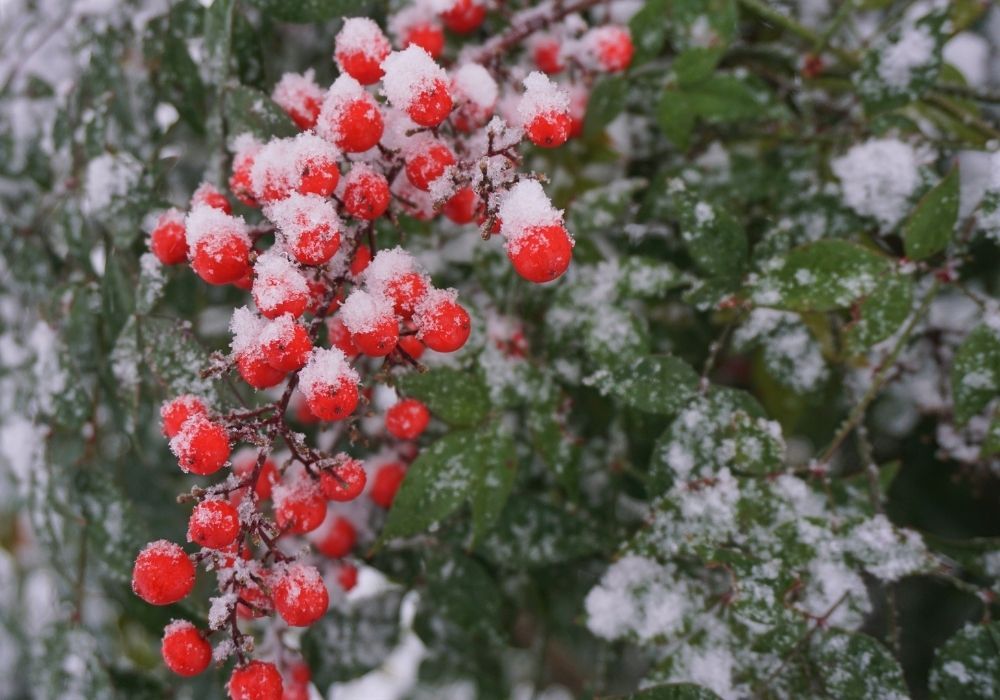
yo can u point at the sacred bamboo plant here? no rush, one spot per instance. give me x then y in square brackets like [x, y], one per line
[472, 348]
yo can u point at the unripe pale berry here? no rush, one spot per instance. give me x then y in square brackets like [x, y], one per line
[258, 680]
[339, 538]
[443, 325]
[163, 573]
[465, 16]
[386, 484]
[174, 413]
[185, 651]
[214, 524]
[407, 419]
[300, 596]
[167, 239]
[366, 194]
[427, 163]
[201, 446]
[345, 482]
[541, 254]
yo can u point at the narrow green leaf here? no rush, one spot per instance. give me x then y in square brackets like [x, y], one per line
[311, 10]
[606, 102]
[975, 373]
[117, 301]
[676, 118]
[457, 397]
[696, 65]
[673, 691]
[930, 227]
[250, 110]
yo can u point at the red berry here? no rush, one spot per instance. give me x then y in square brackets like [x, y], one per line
[431, 105]
[163, 573]
[300, 596]
[174, 413]
[362, 256]
[239, 182]
[347, 577]
[243, 465]
[168, 239]
[427, 163]
[463, 206]
[299, 508]
[339, 538]
[335, 402]
[380, 339]
[360, 49]
[315, 246]
[214, 524]
[209, 195]
[221, 259]
[300, 97]
[386, 484]
[358, 125]
[407, 419]
[546, 55]
[201, 446]
[541, 254]
[319, 176]
[286, 344]
[184, 650]
[812, 66]
[428, 36]
[340, 338]
[612, 46]
[256, 371]
[259, 603]
[411, 346]
[279, 289]
[245, 282]
[366, 194]
[258, 680]
[405, 292]
[443, 325]
[345, 482]
[550, 129]
[464, 16]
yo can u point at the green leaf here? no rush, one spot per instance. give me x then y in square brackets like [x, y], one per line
[532, 532]
[250, 110]
[714, 238]
[648, 27]
[673, 691]
[929, 229]
[648, 278]
[461, 590]
[117, 301]
[660, 384]
[881, 313]
[967, 667]
[606, 102]
[495, 479]
[726, 99]
[174, 357]
[676, 117]
[702, 23]
[457, 397]
[152, 281]
[975, 373]
[311, 10]
[991, 443]
[696, 65]
[822, 276]
[856, 666]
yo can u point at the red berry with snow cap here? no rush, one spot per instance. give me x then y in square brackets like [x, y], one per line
[417, 85]
[306, 164]
[286, 344]
[300, 97]
[278, 286]
[299, 507]
[340, 338]
[475, 93]
[208, 195]
[300, 596]
[174, 413]
[201, 446]
[542, 253]
[219, 245]
[214, 524]
[337, 540]
[371, 320]
[386, 484]
[464, 16]
[350, 117]
[394, 274]
[366, 193]
[360, 49]
[251, 363]
[427, 162]
[344, 482]
[544, 111]
[257, 372]
[163, 573]
[309, 227]
[329, 384]
[168, 240]
[442, 324]
[185, 651]
[258, 680]
[407, 419]
[610, 46]
[239, 181]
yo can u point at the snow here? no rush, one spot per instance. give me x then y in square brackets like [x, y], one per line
[474, 83]
[970, 54]
[294, 92]
[276, 280]
[408, 73]
[526, 206]
[361, 35]
[900, 59]
[165, 116]
[299, 213]
[326, 368]
[246, 327]
[878, 178]
[344, 91]
[362, 311]
[204, 223]
[109, 177]
[636, 597]
[541, 97]
[387, 266]
[887, 552]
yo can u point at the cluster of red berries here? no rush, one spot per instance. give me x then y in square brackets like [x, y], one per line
[395, 135]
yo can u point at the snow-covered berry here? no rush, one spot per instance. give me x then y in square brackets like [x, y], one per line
[257, 680]
[174, 413]
[544, 111]
[538, 244]
[209, 195]
[306, 164]
[163, 573]
[407, 419]
[344, 482]
[299, 507]
[218, 244]
[350, 117]
[426, 162]
[300, 595]
[246, 148]
[185, 651]
[546, 51]
[372, 322]
[214, 523]
[329, 384]
[300, 97]
[427, 35]
[417, 85]
[366, 193]
[610, 47]
[360, 49]
[475, 93]
[201, 446]
[246, 327]
[395, 275]
[463, 16]
[309, 227]
[278, 286]
[286, 344]
[442, 324]
[167, 240]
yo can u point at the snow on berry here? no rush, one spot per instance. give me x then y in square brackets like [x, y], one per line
[407, 419]
[300, 97]
[366, 193]
[167, 240]
[394, 274]
[608, 48]
[442, 324]
[524, 211]
[209, 195]
[278, 286]
[258, 680]
[417, 85]
[350, 117]
[300, 596]
[463, 206]
[299, 506]
[245, 148]
[544, 111]
[163, 573]
[214, 523]
[426, 161]
[285, 343]
[475, 92]
[174, 413]
[461, 16]
[308, 226]
[344, 482]
[360, 49]
[371, 320]
[246, 327]
[316, 164]
[201, 446]
[329, 384]
[305, 164]
[218, 243]
[185, 651]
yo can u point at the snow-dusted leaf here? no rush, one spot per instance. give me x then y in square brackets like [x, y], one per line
[659, 384]
[673, 691]
[532, 532]
[967, 667]
[174, 357]
[975, 374]
[648, 30]
[647, 278]
[69, 665]
[930, 227]
[854, 665]
[250, 110]
[713, 236]
[494, 480]
[821, 276]
[881, 313]
[152, 280]
[606, 102]
[702, 23]
[457, 397]
[311, 10]
[601, 209]
[117, 295]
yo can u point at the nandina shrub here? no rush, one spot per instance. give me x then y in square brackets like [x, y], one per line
[465, 348]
